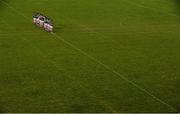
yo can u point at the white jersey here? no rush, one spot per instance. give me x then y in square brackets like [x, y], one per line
[34, 20]
[37, 21]
[46, 26]
[41, 23]
[50, 28]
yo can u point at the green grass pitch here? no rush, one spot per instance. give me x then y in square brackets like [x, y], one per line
[104, 56]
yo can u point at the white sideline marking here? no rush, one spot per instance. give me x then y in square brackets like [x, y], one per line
[98, 99]
[99, 62]
[113, 71]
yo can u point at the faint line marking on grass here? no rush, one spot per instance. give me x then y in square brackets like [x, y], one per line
[99, 62]
[98, 99]
[113, 71]
[92, 30]
[113, 30]
[150, 8]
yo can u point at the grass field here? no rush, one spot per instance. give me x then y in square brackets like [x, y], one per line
[104, 56]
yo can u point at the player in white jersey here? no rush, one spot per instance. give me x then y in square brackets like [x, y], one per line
[41, 21]
[50, 28]
[34, 20]
[46, 26]
[35, 16]
[37, 21]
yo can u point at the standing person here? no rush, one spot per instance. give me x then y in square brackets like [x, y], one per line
[35, 16]
[34, 19]
[38, 19]
[46, 25]
[50, 27]
[41, 21]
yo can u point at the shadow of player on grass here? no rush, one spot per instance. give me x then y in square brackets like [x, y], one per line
[177, 4]
[61, 28]
[3, 4]
[1, 107]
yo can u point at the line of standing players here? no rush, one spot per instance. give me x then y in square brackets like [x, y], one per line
[43, 21]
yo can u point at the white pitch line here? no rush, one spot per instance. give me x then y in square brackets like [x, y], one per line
[102, 64]
[115, 72]
[98, 99]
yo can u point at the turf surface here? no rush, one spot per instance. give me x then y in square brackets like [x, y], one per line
[105, 56]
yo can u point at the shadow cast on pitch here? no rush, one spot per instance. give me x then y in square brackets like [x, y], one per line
[2, 4]
[1, 107]
[177, 3]
[60, 28]
[1, 110]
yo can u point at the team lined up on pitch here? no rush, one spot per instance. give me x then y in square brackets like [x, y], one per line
[43, 21]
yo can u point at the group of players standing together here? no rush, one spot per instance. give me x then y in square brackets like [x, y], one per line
[43, 21]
